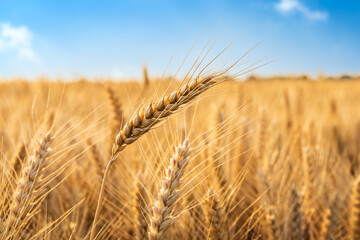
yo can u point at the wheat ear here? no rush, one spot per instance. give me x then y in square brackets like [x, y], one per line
[140, 209]
[308, 192]
[288, 115]
[325, 225]
[17, 164]
[117, 114]
[355, 211]
[146, 118]
[215, 218]
[116, 107]
[219, 171]
[146, 80]
[274, 228]
[1, 225]
[19, 159]
[168, 194]
[296, 215]
[29, 182]
[218, 154]
[96, 157]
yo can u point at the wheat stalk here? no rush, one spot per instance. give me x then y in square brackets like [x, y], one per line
[168, 194]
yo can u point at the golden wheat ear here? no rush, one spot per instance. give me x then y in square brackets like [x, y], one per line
[146, 118]
[18, 160]
[140, 209]
[116, 113]
[162, 217]
[271, 225]
[325, 224]
[296, 215]
[217, 225]
[355, 210]
[146, 79]
[28, 185]
[96, 157]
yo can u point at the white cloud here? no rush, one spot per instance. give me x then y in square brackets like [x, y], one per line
[117, 73]
[289, 6]
[18, 40]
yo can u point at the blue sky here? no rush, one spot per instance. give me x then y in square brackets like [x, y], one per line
[115, 38]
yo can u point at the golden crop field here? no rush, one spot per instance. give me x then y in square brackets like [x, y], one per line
[258, 159]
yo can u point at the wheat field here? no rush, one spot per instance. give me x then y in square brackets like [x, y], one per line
[208, 158]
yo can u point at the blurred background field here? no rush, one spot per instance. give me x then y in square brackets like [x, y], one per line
[261, 127]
